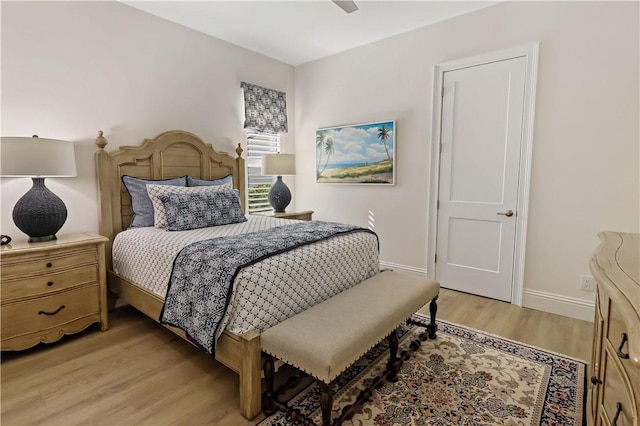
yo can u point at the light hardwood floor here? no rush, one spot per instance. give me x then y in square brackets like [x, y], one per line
[139, 373]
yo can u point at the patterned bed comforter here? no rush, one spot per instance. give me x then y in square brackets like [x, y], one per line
[204, 271]
[265, 293]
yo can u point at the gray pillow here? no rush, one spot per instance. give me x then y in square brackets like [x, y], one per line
[200, 182]
[202, 209]
[140, 201]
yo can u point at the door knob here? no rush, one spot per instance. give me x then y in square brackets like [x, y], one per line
[508, 213]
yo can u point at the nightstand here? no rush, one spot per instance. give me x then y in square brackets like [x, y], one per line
[305, 215]
[51, 288]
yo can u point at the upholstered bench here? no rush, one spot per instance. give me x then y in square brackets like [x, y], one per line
[326, 339]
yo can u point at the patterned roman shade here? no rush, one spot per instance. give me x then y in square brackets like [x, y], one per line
[265, 110]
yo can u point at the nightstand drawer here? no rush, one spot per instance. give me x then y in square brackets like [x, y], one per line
[51, 289]
[48, 262]
[48, 312]
[47, 283]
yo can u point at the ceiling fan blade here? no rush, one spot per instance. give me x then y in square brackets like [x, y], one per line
[346, 5]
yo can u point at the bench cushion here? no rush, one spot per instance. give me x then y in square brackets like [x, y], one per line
[326, 339]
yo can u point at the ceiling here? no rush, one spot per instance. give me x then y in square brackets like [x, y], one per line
[300, 31]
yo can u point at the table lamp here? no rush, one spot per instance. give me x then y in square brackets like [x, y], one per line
[39, 213]
[279, 165]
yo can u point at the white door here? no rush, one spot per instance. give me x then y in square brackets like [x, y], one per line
[481, 136]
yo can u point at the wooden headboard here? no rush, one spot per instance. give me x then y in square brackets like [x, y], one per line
[170, 154]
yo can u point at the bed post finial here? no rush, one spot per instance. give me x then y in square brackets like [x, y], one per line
[239, 150]
[101, 141]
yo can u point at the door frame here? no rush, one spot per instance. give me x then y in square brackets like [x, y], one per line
[530, 51]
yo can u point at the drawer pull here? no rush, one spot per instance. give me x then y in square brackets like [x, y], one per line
[618, 411]
[621, 354]
[595, 380]
[49, 265]
[50, 283]
[51, 313]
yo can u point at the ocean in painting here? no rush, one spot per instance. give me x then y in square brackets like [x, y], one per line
[344, 166]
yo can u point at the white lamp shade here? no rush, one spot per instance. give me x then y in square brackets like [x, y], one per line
[36, 157]
[278, 164]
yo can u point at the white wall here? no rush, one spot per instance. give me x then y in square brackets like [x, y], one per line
[586, 137]
[70, 69]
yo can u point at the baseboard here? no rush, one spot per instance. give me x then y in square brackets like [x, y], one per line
[572, 307]
[403, 268]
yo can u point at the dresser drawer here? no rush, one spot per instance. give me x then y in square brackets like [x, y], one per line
[48, 312]
[616, 391]
[47, 283]
[615, 397]
[616, 334]
[45, 262]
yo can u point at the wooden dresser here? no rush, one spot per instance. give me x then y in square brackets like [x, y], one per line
[50, 289]
[614, 392]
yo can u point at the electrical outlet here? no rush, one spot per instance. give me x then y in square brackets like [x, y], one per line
[587, 283]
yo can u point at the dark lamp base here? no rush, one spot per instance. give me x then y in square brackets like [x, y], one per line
[42, 239]
[40, 213]
[279, 195]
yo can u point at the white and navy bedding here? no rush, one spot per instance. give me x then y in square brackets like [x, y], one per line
[263, 293]
[203, 273]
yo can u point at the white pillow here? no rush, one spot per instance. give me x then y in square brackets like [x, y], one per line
[159, 212]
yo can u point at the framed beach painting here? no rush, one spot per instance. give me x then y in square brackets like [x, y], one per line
[356, 154]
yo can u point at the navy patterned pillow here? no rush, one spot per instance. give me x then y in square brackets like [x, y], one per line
[202, 209]
[160, 217]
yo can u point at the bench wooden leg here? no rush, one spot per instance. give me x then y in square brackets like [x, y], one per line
[267, 401]
[326, 403]
[433, 309]
[392, 366]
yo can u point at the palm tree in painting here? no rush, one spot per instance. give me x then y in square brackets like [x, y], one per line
[320, 138]
[324, 143]
[328, 150]
[383, 134]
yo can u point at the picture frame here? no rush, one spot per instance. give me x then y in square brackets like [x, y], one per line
[361, 154]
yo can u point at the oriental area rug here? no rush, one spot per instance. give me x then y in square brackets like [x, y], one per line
[463, 377]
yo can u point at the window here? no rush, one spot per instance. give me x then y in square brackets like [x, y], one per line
[265, 118]
[259, 144]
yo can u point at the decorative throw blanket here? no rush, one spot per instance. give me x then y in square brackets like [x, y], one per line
[203, 274]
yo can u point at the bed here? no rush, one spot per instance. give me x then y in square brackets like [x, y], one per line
[170, 155]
